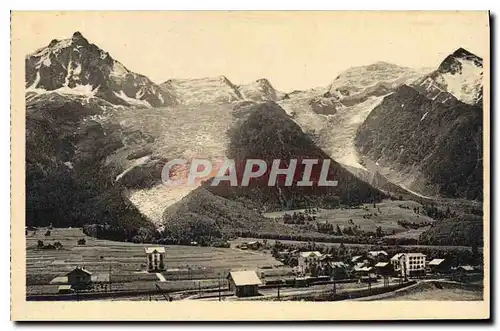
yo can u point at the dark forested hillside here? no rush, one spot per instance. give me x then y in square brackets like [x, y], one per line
[438, 146]
[268, 133]
[67, 181]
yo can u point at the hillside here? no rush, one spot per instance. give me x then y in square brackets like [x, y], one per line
[464, 230]
[67, 180]
[427, 146]
[76, 67]
[202, 213]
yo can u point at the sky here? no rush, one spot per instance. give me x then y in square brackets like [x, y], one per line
[294, 50]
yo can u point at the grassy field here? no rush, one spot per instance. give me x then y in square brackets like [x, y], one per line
[386, 215]
[438, 291]
[187, 266]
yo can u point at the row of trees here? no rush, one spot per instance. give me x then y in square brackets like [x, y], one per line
[154, 236]
[413, 225]
[56, 245]
[354, 230]
[297, 218]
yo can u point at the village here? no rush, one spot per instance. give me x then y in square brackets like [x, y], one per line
[158, 272]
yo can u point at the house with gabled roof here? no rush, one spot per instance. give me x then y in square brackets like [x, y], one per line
[439, 266]
[244, 283]
[79, 277]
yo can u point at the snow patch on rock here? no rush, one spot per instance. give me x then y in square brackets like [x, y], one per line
[132, 101]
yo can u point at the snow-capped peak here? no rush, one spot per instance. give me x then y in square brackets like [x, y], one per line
[76, 66]
[459, 75]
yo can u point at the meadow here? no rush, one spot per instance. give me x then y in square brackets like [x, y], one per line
[188, 267]
[385, 214]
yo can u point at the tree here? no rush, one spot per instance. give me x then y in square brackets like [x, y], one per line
[47, 234]
[39, 244]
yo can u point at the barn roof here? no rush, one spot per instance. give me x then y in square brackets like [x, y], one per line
[466, 267]
[242, 278]
[150, 250]
[436, 262]
[78, 269]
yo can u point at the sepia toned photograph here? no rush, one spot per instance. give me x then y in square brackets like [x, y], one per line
[270, 159]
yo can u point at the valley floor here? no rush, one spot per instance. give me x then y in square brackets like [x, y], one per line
[188, 267]
[191, 271]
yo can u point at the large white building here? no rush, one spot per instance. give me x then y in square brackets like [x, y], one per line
[409, 264]
[155, 258]
[306, 259]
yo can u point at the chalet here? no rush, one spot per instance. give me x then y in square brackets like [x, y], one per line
[465, 269]
[244, 283]
[79, 277]
[337, 269]
[155, 257]
[439, 266]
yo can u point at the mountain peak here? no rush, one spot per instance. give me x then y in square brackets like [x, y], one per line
[462, 52]
[79, 38]
[460, 75]
[68, 66]
[260, 90]
[263, 81]
[463, 55]
[53, 42]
